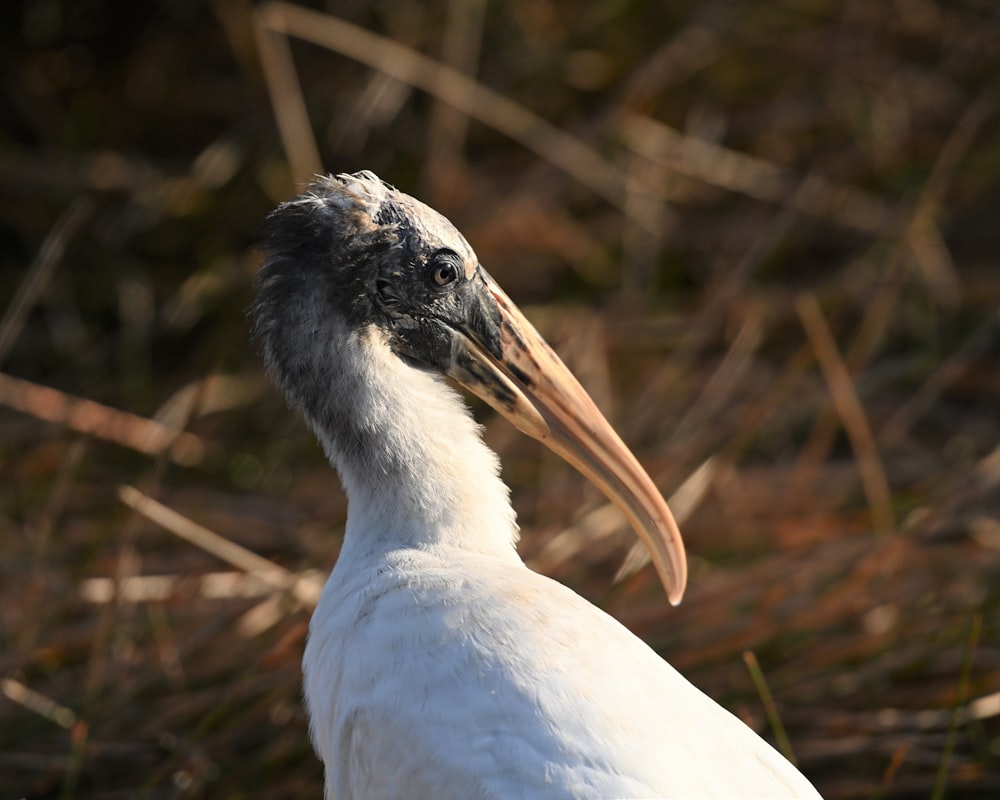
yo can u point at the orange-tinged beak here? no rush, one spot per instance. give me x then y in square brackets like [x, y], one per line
[529, 384]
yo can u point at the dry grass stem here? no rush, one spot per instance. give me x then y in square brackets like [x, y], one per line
[211, 395]
[876, 320]
[946, 373]
[921, 238]
[961, 692]
[40, 273]
[263, 616]
[167, 647]
[680, 57]
[95, 419]
[41, 533]
[305, 589]
[923, 233]
[770, 707]
[719, 388]
[207, 585]
[592, 529]
[46, 707]
[289, 105]
[898, 757]
[448, 126]
[458, 90]
[851, 412]
[683, 503]
[755, 177]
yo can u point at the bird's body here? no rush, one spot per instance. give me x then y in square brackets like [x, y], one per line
[485, 680]
[438, 665]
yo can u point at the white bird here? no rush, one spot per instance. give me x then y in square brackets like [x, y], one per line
[437, 664]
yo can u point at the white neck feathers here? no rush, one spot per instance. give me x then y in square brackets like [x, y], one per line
[411, 458]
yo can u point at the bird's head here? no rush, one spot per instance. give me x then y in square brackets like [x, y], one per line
[376, 257]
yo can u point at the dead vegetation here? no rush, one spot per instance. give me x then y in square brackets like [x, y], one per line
[763, 234]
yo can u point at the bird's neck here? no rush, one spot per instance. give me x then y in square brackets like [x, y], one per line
[410, 456]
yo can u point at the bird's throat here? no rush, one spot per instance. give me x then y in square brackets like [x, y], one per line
[410, 456]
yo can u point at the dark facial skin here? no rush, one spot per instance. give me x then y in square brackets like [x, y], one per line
[378, 263]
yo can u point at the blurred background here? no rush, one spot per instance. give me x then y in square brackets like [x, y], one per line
[763, 234]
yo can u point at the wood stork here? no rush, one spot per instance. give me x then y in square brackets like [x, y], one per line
[438, 665]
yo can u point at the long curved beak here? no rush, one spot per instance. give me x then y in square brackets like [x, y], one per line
[529, 384]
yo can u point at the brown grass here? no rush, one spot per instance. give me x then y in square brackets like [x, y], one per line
[764, 236]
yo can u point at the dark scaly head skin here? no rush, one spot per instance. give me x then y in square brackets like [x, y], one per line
[377, 257]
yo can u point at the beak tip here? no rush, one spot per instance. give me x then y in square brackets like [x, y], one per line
[677, 584]
[676, 596]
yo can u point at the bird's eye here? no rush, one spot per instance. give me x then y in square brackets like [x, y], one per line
[445, 274]
[444, 269]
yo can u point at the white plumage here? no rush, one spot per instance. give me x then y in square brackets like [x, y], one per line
[438, 665]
